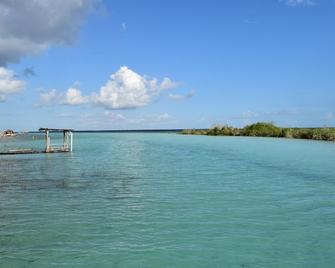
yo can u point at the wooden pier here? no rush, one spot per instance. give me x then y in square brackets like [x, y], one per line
[65, 147]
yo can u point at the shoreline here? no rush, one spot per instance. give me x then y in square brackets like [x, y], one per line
[266, 130]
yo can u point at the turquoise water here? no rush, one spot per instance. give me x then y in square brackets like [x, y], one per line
[166, 200]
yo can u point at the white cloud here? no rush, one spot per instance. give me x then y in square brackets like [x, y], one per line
[124, 90]
[74, 96]
[50, 97]
[300, 2]
[167, 83]
[128, 89]
[9, 84]
[29, 27]
[181, 97]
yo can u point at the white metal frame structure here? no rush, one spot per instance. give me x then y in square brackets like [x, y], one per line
[66, 146]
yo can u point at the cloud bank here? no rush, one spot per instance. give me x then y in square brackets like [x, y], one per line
[125, 89]
[9, 84]
[29, 27]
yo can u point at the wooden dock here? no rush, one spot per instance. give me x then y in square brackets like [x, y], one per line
[30, 151]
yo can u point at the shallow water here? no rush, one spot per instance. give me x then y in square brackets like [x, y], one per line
[167, 200]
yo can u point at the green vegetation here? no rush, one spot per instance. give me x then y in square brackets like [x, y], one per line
[261, 129]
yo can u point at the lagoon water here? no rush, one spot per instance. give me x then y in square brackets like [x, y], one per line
[167, 200]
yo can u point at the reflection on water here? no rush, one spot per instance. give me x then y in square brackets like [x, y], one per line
[163, 200]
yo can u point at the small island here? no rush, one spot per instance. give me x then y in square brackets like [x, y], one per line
[262, 129]
[8, 133]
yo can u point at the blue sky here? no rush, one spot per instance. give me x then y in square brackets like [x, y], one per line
[166, 64]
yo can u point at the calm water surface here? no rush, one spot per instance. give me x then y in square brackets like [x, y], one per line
[166, 200]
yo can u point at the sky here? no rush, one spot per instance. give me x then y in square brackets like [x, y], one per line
[145, 64]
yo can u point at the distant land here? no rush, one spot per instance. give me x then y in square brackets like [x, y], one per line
[125, 131]
[262, 129]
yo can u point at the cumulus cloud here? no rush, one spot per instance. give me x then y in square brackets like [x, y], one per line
[74, 96]
[9, 84]
[300, 2]
[29, 27]
[167, 83]
[128, 89]
[125, 89]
